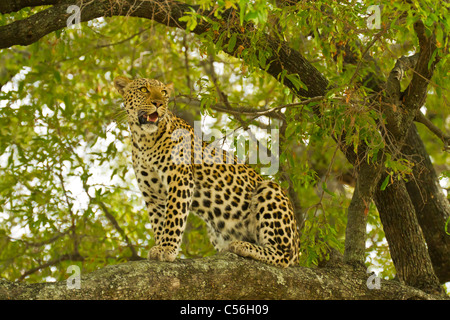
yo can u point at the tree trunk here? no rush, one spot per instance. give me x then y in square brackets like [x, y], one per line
[224, 276]
[404, 235]
[430, 204]
[355, 233]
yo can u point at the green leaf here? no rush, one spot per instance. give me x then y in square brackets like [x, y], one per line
[446, 226]
[190, 19]
[232, 42]
[262, 58]
[385, 183]
[295, 80]
[324, 187]
[57, 76]
[252, 15]
[242, 7]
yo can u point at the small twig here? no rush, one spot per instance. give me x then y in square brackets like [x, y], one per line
[328, 173]
[66, 257]
[272, 112]
[371, 43]
[230, 110]
[100, 46]
[42, 243]
[420, 117]
[110, 217]
[187, 64]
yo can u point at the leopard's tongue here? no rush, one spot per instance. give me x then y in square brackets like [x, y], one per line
[152, 117]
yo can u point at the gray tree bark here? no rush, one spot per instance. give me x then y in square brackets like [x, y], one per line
[223, 276]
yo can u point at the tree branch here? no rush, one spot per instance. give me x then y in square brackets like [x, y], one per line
[110, 217]
[9, 6]
[239, 111]
[66, 257]
[42, 243]
[30, 30]
[224, 276]
[420, 117]
[402, 65]
[416, 92]
[399, 121]
[395, 122]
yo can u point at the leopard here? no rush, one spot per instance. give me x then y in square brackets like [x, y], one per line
[178, 173]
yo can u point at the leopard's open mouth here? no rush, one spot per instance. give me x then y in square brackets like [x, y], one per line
[148, 118]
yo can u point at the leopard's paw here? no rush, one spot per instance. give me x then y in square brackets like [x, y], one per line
[161, 253]
[240, 248]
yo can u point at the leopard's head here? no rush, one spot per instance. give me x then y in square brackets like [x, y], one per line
[146, 101]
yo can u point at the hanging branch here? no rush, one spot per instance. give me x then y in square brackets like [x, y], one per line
[420, 117]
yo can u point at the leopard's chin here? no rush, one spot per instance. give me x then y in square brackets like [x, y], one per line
[149, 128]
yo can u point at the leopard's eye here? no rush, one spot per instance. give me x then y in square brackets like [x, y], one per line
[164, 92]
[143, 89]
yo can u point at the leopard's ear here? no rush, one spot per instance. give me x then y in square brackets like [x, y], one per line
[169, 88]
[120, 83]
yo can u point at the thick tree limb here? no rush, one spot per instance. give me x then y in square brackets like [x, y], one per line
[395, 116]
[30, 30]
[416, 93]
[400, 119]
[402, 65]
[27, 31]
[224, 276]
[8, 6]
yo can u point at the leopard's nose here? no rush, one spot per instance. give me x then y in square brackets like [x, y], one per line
[157, 103]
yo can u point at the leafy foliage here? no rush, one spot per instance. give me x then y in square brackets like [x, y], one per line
[67, 193]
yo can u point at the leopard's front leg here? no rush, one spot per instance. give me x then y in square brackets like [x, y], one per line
[155, 196]
[179, 198]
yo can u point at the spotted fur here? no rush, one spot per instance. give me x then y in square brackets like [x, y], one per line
[244, 214]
